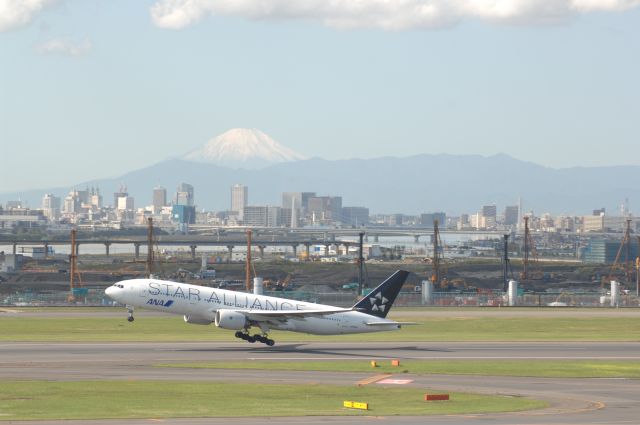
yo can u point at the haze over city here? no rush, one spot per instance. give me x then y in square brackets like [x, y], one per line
[320, 211]
[91, 90]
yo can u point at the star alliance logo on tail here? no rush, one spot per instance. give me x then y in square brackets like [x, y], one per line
[378, 303]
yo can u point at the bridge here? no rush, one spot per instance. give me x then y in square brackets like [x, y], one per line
[231, 237]
[193, 242]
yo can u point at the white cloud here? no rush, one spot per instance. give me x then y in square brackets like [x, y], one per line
[17, 13]
[382, 14]
[60, 46]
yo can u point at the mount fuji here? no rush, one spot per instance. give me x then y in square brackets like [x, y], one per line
[243, 148]
[414, 184]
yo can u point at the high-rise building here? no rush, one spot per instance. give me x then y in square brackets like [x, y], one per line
[489, 215]
[395, 219]
[355, 216]
[159, 198]
[298, 203]
[119, 194]
[489, 211]
[239, 199]
[299, 199]
[125, 203]
[289, 217]
[257, 216]
[71, 203]
[605, 251]
[274, 216]
[325, 208]
[183, 214]
[184, 195]
[51, 206]
[428, 219]
[511, 214]
[463, 222]
[84, 196]
[95, 198]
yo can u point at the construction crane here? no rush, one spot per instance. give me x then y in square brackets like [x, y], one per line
[149, 271]
[638, 270]
[618, 268]
[249, 264]
[436, 261]
[361, 281]
[530, 266]
[506, 265]
[73, 265]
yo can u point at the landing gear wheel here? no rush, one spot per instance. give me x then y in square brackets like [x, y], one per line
[270, 342]
[250, 339]
[130, 311]
[239, 334]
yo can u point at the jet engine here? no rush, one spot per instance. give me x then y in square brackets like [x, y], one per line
[228, 319]
[197, 320]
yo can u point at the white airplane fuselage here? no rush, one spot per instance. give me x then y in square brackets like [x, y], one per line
[199, 305]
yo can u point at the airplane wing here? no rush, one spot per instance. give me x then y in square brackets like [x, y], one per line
[283, 315]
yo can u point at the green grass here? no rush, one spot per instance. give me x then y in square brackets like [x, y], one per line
[538, 368]
[173, 329]
[35, 400]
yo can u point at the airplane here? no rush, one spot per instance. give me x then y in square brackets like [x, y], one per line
[239, 311]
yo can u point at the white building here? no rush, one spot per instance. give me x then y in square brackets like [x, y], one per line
[239, 199]
[125, 203]
[51, 207]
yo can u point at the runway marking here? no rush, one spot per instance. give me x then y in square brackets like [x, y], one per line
[372, 379]
[519, 348]
[523, 358]
[591, 406]
[313, 358]
[395, 381]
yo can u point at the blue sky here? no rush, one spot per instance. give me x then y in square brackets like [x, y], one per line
[92, 89]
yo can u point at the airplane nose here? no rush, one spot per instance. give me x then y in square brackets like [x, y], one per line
[109, 291]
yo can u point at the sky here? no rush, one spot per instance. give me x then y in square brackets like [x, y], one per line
[96, 88]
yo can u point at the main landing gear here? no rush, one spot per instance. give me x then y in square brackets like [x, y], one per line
[130, 311]
[253, 338]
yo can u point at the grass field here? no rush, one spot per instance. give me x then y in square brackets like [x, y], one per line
[22, 400]
[539, 368]
[441, 328]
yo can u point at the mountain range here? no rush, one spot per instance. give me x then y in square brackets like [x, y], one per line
[421, 183]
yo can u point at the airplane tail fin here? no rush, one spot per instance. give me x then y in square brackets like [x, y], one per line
[379, 301]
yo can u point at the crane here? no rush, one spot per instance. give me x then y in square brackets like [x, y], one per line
[618, 268]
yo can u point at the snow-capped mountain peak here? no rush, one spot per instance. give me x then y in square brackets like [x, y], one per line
[243, 148]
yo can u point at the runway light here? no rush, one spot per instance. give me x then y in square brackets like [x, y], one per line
[395, 363]
[374, 363]
[436, 397]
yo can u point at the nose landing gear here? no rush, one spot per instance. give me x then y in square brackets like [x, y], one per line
[130, 311]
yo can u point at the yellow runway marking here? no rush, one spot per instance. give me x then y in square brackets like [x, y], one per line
[373, 379]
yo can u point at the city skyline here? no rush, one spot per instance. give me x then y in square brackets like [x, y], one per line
[299, 209]
[455, 184]
[553, 83]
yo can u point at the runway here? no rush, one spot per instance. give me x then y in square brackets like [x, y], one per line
[573, 401]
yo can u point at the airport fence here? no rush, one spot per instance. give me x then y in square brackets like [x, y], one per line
[96, 297]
